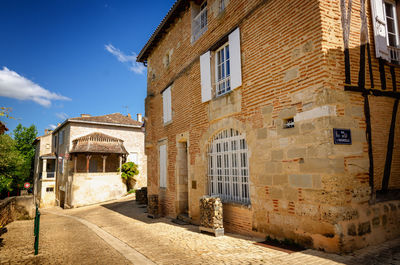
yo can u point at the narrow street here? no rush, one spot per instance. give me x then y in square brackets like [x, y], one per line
[119, 232]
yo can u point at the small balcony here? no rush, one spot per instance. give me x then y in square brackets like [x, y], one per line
[394, 54]
[47, 175]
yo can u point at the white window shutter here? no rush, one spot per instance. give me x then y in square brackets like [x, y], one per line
[167, 106]
[163, 166]
[235, 59]
[205, 75]
[379, 23]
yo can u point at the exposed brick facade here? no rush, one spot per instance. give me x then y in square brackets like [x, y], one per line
[302, 185]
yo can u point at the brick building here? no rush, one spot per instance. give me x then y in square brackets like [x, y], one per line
[287, 110]
[77, 163]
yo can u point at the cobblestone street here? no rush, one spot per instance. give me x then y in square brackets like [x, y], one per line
[119, 232]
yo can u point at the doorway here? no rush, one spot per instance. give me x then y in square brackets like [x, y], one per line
[182, 179]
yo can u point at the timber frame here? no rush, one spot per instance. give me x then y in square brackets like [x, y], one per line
[366, 92]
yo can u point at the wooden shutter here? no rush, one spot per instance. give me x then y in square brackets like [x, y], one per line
[205, 75]
[163, 166]
[235, 59]
[379, 23]
[167, 107]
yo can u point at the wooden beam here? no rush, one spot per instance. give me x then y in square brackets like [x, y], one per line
[373, 92]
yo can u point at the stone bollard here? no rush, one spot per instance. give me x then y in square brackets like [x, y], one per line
[152, 207]
[141, 196]
[211, 215]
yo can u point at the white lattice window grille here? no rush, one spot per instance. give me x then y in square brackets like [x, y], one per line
[228, 167]
[222, 70]
[200, 22]
[288, 123]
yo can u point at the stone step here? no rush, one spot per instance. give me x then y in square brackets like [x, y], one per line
[184, 217]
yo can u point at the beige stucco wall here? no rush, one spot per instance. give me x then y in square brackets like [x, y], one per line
[89, 188]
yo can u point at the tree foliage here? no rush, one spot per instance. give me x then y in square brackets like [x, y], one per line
[16, 158]
[129, 170]
[24, 137]
[5, 112]
[12, 164]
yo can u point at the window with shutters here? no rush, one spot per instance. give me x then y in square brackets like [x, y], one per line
[227, 72]
[163, 165]
[228, 167]
[199, 20]
[386, 33]
[392, 35]
[222, 70]
[167, 107]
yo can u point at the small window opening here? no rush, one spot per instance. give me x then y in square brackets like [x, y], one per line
[221, 5]
[288, 123]
[50, 189]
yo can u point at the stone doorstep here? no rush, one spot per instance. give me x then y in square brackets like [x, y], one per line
[217, 232]
[153, 216]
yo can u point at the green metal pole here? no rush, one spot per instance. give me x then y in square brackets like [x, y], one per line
[36, 231]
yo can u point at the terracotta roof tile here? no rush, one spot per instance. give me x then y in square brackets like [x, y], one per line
[98, 143]
[115, 118]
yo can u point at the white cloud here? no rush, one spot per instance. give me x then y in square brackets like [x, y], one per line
[62, 115]
[12, 85]
[134, 66]
[52, 126]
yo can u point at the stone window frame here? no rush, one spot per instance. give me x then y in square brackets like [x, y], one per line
[228, 167]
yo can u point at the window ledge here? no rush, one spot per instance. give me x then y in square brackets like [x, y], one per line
[237, 204]
[167, 123]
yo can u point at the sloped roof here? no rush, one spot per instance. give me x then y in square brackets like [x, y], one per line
[51, 155]
[114, 118]
[98, 143]
[174, 11]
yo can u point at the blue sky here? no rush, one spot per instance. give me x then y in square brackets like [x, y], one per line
[59, 59]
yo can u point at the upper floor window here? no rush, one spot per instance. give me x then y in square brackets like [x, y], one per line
[391, 23]
[221, 5]
[227, 75]
[61, 138]
[386, 33]
[222, 70]
[199, 20]
[167, 107]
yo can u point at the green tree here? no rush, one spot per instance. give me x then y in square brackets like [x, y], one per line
[24, 137]
[128, 172]
[12, 164]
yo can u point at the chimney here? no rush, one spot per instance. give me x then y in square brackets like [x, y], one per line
[129, 115]
[46, 131]
[139, 117]
[85, 115]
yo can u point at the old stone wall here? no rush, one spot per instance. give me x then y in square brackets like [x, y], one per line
[302, 185]
[16, 208]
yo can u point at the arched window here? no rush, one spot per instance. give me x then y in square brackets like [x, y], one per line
[228, 167]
